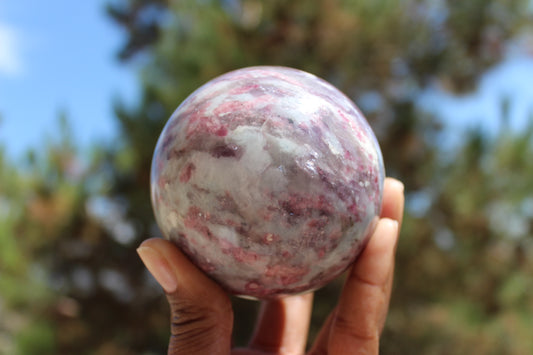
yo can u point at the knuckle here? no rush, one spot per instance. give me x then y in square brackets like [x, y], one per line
[191, 323]
[368, 282]
[344, 325]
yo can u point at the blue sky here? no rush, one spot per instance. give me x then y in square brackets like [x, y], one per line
[59, 56]
[481, 109]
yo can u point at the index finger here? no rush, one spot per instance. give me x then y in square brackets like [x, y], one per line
[357, 321]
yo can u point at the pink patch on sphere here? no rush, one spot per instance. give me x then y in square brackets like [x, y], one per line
[269, 179]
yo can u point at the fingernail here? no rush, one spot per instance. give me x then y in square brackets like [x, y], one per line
[159, 268]
[398, 183]
[395, 225]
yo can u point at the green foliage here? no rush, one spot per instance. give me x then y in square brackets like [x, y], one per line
[470, 252]
[71, 282]
[36, 339]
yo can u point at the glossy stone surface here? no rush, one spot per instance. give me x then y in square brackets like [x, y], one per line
[269, 179]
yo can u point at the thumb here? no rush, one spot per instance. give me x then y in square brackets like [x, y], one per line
[201, 313]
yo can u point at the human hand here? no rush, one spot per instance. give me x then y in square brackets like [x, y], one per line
[202, 316]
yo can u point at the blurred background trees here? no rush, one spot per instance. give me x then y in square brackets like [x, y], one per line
[71, 282]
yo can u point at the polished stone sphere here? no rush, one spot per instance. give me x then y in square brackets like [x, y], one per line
[269, 179]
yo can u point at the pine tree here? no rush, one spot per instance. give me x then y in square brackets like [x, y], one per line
[465, 253]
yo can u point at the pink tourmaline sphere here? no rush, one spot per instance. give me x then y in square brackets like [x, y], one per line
[269, 179]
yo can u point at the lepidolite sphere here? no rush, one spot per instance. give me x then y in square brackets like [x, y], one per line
[269, 179]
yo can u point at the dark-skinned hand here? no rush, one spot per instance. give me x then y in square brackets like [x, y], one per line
[202, 316]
